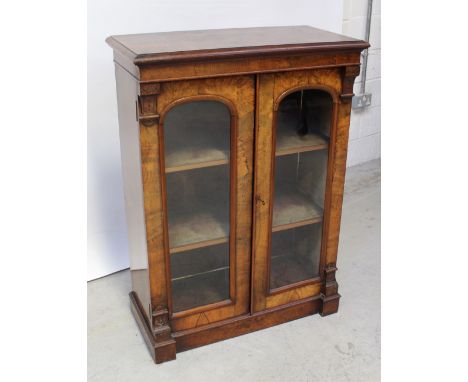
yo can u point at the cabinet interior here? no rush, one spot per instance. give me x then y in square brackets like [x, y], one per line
[197, 157]
[303, 124]
[197, 165]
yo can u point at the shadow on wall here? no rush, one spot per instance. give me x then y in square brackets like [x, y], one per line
[107, 232]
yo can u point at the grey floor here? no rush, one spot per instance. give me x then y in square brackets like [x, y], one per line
[341, 347]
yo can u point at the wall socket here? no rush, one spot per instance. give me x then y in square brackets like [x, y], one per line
[362, 100]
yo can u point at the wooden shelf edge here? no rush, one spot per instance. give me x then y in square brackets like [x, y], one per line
[201, 244]
[301, 223]
[193, 166]
[199, 273]
[297, 150]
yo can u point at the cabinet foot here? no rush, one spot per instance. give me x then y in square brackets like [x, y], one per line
[161, 351]
[329, 304]
[330, 296]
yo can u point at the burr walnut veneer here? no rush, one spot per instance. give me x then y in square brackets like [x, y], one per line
[233, 147]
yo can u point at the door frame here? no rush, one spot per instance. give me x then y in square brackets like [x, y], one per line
[226, 91]
[272, 88]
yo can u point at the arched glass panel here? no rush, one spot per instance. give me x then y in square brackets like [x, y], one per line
[303, 125]
[197, 157]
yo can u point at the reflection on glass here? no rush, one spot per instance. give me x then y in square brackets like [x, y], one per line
[197, 151]
[295, 255]
[200, 276]
[302, 136]
[197, 135]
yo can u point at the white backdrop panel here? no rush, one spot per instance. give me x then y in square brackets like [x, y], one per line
[107, 243]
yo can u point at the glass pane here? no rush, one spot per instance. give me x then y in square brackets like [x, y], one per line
[301, 157]
[200, 276]
[197, 135]
[295, 255]
[197, 151]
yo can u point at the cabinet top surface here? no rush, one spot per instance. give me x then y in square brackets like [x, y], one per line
[229, 43]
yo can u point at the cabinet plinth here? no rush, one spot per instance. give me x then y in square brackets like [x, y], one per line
[233, 146]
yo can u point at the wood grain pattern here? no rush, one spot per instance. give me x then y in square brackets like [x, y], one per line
[229, 43]
[152, 194]
[250, 70]
[238, 93]
[159, 342]
[237, 326]
[223, 68]
[338, 165]
[334, 197]
[273, 87]
[127, 90]
[294, 294]
[143, 202]
[221, 330]
[163, 62]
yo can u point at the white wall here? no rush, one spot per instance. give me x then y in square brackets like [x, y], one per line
[107, 244]
[364, 135]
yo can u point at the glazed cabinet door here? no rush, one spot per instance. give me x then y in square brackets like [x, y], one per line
[206, 155]
[296, 123]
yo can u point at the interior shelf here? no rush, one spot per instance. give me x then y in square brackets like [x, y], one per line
[197, 135]
[199, 261]
[195, 157]
[200, 289]
[199, 229]
[288, 142]
[199, 274]
[294, 209]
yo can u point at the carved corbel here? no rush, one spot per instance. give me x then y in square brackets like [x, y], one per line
[160, 323]
[349, 75]
[147, 103]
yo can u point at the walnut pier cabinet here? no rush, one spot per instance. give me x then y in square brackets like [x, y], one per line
[233, 146]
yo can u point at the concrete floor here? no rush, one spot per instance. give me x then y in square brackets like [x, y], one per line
[341, 347]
